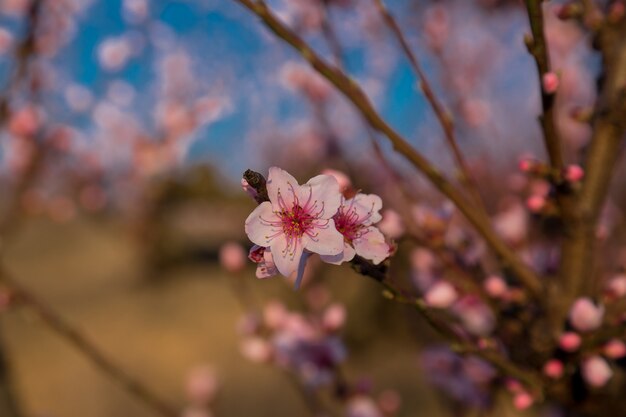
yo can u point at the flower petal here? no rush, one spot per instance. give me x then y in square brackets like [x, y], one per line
[325, 240]
[282, 189]
[266, 268]
[367, 207]
[346, 256]
[371, 245]
[258, 225]
[321, 197]
[286, 254]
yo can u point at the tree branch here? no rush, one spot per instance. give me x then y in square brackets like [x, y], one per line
[442, 115]
[538, 48]
[606, 143]
[359, 99]
[76, 339]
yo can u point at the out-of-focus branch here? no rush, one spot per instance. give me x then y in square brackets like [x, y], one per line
[359, 99]
[464, 347]
[24, 51]
[606, 142]
[442, 115]
[538, 48]
[8, 404]
[78, 341]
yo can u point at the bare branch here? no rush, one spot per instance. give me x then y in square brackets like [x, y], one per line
[359, 99]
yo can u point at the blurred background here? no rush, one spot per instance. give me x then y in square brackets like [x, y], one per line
[126, 127]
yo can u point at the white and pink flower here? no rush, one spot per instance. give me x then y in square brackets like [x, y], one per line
[297, 218]
[354, 220]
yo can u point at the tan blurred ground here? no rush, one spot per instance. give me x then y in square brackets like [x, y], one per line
[91, 273]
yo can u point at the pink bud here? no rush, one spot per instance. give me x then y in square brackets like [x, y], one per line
[617, 285]
[585, 316]
[232, 257]
[536, 203]
[391, 225]
[596, 371]
[615, 349]
[523, 400]
[248, 188]
[274, 314]
[495, 286]
[342, 179]
[550, 82]
[441, 295]
[574, 173]
[525, 165]
[570, 341]
[553, 369]
[256, 350]
[24, 122]
[334, 317]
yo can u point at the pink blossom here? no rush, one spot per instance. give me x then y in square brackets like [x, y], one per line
[297, 218]
[342, 179]
[362, 406]
[24, 122]
[334, 317]
[585, 316]
[617, 285]
[574, 173]
[570, 341]
[114, 53]
[354, 220]
[523, 400]
[442, 294]
[266, 267]
[391, 225]
[232, 257]
[553, 369]
[248, 188]
[550, 82]
[596, 371]
[615, 349]
[476, 317]
[536, 203]
[495, 286]
[256, 349]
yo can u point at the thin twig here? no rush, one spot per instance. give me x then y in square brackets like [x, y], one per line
[51, 319]
[442, 115]
[538, 48]
[355, 94]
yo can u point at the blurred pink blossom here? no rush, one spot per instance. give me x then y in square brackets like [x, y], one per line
[585, 315]
[441, 294]
[596, 371]
[232, 257]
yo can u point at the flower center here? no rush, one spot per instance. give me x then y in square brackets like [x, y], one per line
[349, 223]
[296, 222]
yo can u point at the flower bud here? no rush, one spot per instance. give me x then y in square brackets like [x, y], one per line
[596, 371]
[585, 316]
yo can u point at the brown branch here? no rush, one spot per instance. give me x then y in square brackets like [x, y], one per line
[606, 142]
[442, 115]
[538, 48]
[465, 347]
[24, 51]
[359, 99]
[78, 341]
